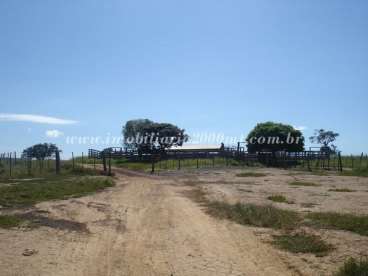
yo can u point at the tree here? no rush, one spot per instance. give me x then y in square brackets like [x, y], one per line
[134, 131]
[147, 136]
[272, 137]
[325, 138]
[40, 151]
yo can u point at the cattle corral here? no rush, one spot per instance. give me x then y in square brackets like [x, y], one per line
[309, 159]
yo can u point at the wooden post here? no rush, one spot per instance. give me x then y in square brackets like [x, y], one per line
[104, 162]
[94, 162]
[10, 164]
[361, 160]
[73, 161]
[179, 165]
[213, 162]
[152, 164]
[110, 163]
[197, 163]
[57, 161]
[82, 159]
[29, 165]
[352, 161]
[340, 162]
[308, 161]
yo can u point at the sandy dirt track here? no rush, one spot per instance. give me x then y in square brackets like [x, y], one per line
[143, 226]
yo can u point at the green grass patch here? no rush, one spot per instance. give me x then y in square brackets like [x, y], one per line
[302, 243]
[251, 174]
[342, 190]
[362, 172]
[250, 214]
[353, 267]
[303, 183]
[59, 187]
[347, 222]
[279, 199]
[7, 221]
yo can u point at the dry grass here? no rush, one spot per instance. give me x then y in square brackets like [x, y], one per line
[347, 222]
[9, 221]
[305, 184]
[302, 243]
[280, 199]
[342, 190]
[353, 267]
[256, 215]
[251, 174]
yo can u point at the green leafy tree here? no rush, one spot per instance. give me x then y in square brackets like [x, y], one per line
[272, 137]
[325, 138]
[40, 151]
[134, 131]
[147, 136]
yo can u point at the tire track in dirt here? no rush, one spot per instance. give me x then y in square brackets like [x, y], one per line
[143, 226]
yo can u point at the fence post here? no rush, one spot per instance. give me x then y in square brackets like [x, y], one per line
[82, 160]
[57, 161]
[110, 163]
[179, 165]
[94, 162]
[361, 160]
[10, 164]
[152, 164]
[73, 161]
[308, 161]
[104, 162]
[197, 163]
[352, 162]
[29, 165]
[340, 162]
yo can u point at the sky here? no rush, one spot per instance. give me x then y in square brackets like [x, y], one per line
[83, 68]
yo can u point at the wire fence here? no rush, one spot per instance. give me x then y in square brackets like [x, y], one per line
[13, 165]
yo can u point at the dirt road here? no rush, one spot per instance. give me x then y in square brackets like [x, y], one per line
[143, 226]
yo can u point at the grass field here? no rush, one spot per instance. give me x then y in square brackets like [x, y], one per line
[22, 192]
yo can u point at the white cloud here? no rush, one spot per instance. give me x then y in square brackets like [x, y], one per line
[301, 128]
[54, 133]
[39, 119]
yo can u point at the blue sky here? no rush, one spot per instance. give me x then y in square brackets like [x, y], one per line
[207, 66]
